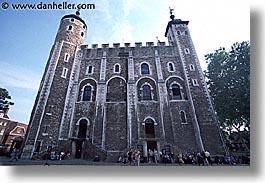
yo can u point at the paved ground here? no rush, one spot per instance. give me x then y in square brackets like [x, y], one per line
[5, 161]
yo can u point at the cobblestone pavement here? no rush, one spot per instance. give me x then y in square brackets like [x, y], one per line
[5, 161]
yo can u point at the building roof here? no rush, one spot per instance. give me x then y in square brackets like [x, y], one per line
[76, 17]
[175, 21]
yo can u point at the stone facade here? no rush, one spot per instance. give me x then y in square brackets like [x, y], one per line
[104, 101]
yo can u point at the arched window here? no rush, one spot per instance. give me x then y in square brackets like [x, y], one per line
[183, 117]
[145, 68]
[178, 32]
[170, 67]
[82, 130]
[149, 129]
[70, 27]
[147, 93]
[87, 93]
[176, 93]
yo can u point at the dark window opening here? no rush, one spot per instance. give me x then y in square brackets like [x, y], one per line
[176, 93]
[117, 68]
[82, 34]
[72, 20]
[171, 68]
[87, 93]
[70, 27]
[149, 129]
[147, 93]
[178, 32]
[145, 68]
[82, 129]
[89, 71]
[183, 117]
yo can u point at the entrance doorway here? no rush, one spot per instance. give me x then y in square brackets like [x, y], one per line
[151, 145]
[78, 151]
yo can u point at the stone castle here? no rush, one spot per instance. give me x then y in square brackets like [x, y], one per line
[102, 101]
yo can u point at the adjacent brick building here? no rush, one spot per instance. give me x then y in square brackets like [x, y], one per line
[105, 100]
[12, 133]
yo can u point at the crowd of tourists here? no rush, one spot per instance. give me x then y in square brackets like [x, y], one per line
[203, 158]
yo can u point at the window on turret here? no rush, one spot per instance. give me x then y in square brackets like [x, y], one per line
[82, 34]
[89, 70]
[183, 117]
[176, 93]
[195, 82]
[192, 68]
[64, 73]
[72, 20]
[116, 68]
[178, 32]
[145, 69]
[66, 57]
[187, 51]
[87, 93]
[70, 27]
[171, 67]
[186, 33]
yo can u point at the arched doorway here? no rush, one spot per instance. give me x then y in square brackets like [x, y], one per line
[81, 136]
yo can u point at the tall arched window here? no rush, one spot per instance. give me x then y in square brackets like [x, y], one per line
[145, 68]
[147, 93]
[82, 130]
[176, 93]
[183, 117]
[87, 93]
[149, 128]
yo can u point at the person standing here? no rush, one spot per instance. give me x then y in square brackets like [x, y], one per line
[180, 158]
[129, 156]
[156, 156]
[138, 157]
[151, 155]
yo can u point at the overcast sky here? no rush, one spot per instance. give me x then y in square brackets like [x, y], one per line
[27, 35]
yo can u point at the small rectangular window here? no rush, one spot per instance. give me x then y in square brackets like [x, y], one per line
[187, 51]
[192, 68]
[64, 73]
[66, 57]
[195, 82]
[89, 70]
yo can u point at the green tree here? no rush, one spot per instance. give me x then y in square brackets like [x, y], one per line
[228, 79]
[5, 99]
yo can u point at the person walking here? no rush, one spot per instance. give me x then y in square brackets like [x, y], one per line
[14, 155]
[138, 157]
